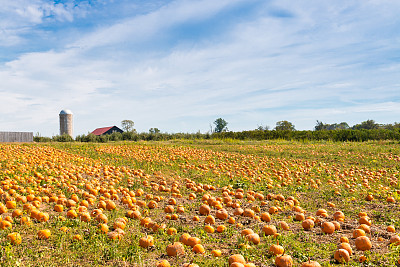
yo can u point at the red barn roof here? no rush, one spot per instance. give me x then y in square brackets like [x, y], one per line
[100, 131]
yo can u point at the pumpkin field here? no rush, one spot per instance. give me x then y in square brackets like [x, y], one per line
[200, 203]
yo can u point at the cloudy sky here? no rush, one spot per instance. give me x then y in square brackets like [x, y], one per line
[179, 65]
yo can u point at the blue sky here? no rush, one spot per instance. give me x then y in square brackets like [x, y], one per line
[179, 65]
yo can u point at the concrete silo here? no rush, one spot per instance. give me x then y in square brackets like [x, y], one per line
[66, 122]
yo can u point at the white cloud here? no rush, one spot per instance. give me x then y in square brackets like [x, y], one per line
[142, 27]
[21, 17]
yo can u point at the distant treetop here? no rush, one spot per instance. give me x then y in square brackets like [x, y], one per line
[220, 125]
[284, 126]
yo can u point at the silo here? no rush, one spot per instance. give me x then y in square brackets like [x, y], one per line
[66, 122]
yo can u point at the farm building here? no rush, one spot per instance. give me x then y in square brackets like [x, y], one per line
[66, 122]
[107, 130]
[16, 137]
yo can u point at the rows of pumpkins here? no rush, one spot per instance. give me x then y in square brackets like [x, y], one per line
[96, 189]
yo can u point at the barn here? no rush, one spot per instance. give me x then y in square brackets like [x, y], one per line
[107, 130]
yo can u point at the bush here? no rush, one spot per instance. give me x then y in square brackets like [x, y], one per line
[62, 138]
[41, 139]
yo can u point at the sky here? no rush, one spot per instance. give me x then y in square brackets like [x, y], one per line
[179, 65]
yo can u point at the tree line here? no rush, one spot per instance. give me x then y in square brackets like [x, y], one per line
[367, 125]
[366, 130]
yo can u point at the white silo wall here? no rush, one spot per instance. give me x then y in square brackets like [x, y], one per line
[66, 123]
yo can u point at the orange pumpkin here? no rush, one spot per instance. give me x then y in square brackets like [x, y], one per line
[58, 208]
[276, 249]
[77, 238]
[342, 256]
[209, 229]
[11, 204]
[364, 227]
[221, 228]
[110, 205]
[299, 217]
[265, 217]
[16, 213]
[269, 229]
[284, 226]
[192, 241]
[5, 224]
[175, 249]
[198, 248]
[204, 209]
[163, 263]
[222, 214]
[253, 238]
[248, 213]
[146, 241]
[395, 240]
[339, 216]
[347, 247]
[72, 214]
[391, 229]
[44, 234]
[363, 243]
[184, 238]
[15, 238]
[216, 252]
[283, 260]
[328, 228]
[236, 258]
[103, 228]
[365, 220]
[307, 224]
[358, 232]
[171, 231]
[246, 231]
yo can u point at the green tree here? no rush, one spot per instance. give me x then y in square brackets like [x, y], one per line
[342, 126]
[154, 130]
[320, 126]
[368, 124]
[284, 126]
[325, 126]
[127, 125]
[220, 125]
[390, 126]
[262, 128]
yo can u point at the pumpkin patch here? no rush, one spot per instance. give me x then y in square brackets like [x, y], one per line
[272, 203]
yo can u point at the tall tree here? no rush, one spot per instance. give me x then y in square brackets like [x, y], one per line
[326, 126]
[320, 126]
[127, 125]
[154, 130]
[284, 126]
[262, 128]
[343, 126]
[368, 124]
[220, 125]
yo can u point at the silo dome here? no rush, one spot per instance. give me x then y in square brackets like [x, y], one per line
[65, 111]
